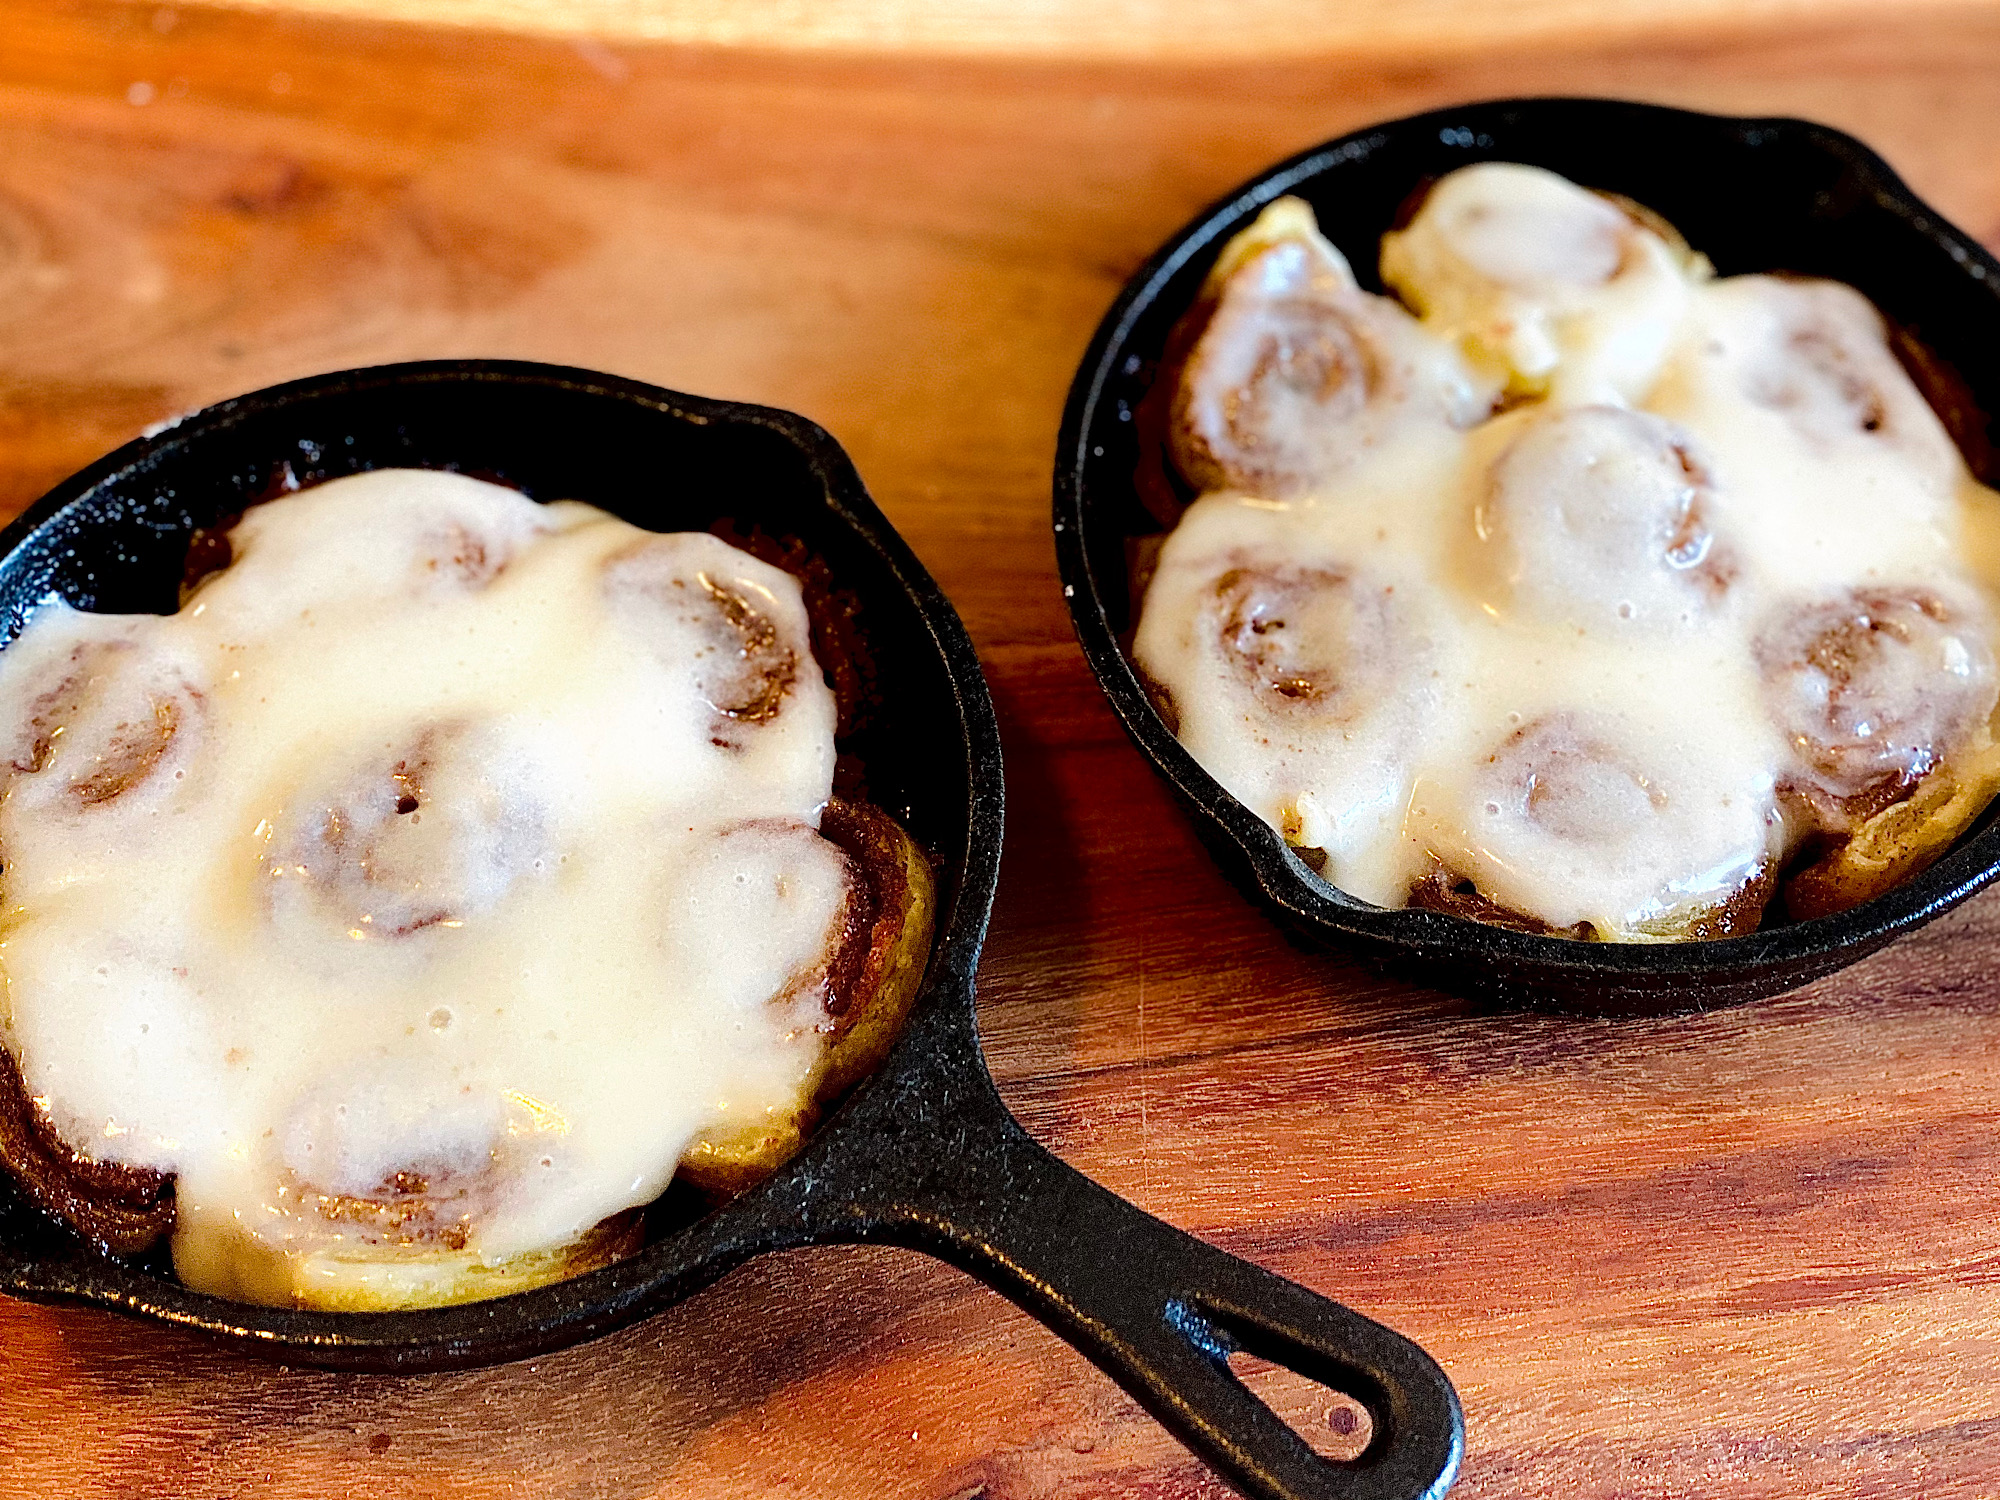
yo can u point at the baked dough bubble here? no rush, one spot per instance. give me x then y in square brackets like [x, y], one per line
[1817, 353]
[446, 544]
[768, 876]
[1299, 373]
[1309, 641]
[1596, 827]
[1838, 469]
[1554, 289]
[427, 835]
[1874, 689]
[1598, 516]
[106, 724]
[1291, 672]
[685, 598]
[385, 1151]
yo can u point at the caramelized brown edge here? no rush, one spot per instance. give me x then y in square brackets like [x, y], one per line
[1946, 393]
[1446, 890]
[118, 1208]
[1740, 912]
[1907, 826]
[838, 643]
[872, 981]
[893, 883]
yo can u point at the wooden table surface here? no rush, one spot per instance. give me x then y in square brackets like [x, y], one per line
[1143, 30]
[1743, 1254]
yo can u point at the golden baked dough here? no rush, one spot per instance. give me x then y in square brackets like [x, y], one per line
[884, 959]
[1297, 372]
[1887, 697]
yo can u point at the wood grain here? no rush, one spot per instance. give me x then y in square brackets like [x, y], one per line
[1740, 1255]
[1134, 30]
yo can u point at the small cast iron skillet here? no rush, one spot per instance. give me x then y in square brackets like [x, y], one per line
[923, 1154]
[1754, 195]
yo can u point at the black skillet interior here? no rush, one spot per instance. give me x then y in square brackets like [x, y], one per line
[923, 1153]
[1754, 195]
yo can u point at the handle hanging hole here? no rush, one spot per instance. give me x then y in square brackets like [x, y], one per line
[1309, 1392]
[1334, 1424]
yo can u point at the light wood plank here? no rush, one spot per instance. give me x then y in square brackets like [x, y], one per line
[1141, 30]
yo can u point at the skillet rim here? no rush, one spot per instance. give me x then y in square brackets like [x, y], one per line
[1479, 959]
[939, 1036]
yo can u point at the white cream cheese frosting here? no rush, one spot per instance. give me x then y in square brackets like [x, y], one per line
[1703, 558]
[442, 837]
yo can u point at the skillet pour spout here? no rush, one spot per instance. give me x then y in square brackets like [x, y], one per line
[923, 1153]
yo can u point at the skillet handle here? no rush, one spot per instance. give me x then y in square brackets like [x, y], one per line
[1157, 1309]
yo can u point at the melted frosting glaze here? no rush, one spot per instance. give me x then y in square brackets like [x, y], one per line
[1713, 581]
[1552, 289]
[463, 864]
[1301, 374]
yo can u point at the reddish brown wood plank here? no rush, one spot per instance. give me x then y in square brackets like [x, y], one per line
[1738, 1256]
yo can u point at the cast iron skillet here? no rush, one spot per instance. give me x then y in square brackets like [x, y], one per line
[1754, 195]
[923, 1154]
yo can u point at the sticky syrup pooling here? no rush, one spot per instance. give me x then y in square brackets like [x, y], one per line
[1577, 589]
[464, 858]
